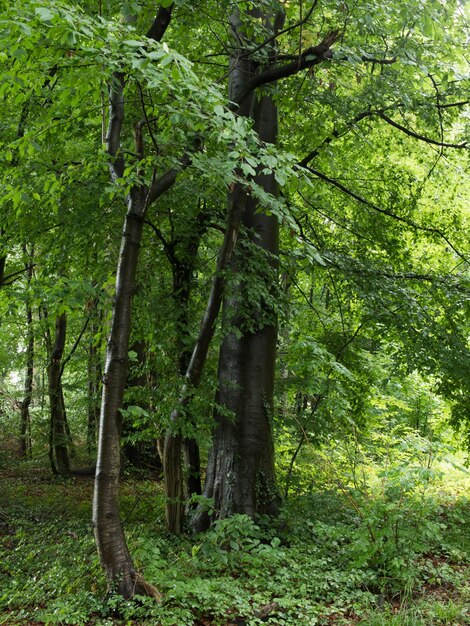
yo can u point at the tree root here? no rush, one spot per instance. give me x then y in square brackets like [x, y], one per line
[144, 588]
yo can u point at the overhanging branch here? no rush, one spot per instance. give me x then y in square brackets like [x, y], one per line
[404, 220]
[411, 133]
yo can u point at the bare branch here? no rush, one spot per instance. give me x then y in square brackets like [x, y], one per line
[75, 345]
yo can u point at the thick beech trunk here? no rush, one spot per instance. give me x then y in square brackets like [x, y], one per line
[240, 475]
[59, 435]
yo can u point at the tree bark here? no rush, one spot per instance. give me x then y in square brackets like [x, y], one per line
[25, 422]
[59, 436]
[94, 377]
[110, 540]
[240, 475]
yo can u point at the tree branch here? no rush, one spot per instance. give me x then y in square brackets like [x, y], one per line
[169, 247]
[411, 133]
[454, 104]
[160, 23]
[116, 120]
[379, 113]
[308, 58]
[334, 135]
[75, 346]
[404, 220]
[6, 280]
[165, 181]
[281, 32]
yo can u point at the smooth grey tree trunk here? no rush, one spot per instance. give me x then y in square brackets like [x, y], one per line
[240, 475]
[110, 540]
[109, 536]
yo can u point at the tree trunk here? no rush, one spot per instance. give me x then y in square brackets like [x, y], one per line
[59, 436]
[25, 422]
[94, 377]
[110, 540]
[240, 475]
[3, 259]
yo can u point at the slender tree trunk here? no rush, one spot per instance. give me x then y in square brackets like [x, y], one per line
[240, 475]
[25, 422]
[59, 437]
[110, 540]
[94, 377]
[3, 260]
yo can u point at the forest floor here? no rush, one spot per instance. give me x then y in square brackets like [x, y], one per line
[403, 562]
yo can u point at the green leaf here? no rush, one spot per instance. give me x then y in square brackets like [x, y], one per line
[44, 14]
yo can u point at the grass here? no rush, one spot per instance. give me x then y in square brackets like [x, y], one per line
[318, 564]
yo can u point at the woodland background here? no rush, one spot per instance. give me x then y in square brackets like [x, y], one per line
[234, 312]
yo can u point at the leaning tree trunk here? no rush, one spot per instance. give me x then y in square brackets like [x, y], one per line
[59, 436]
[240, 475]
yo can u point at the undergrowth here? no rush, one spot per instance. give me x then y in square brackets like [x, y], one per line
[393, 550]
